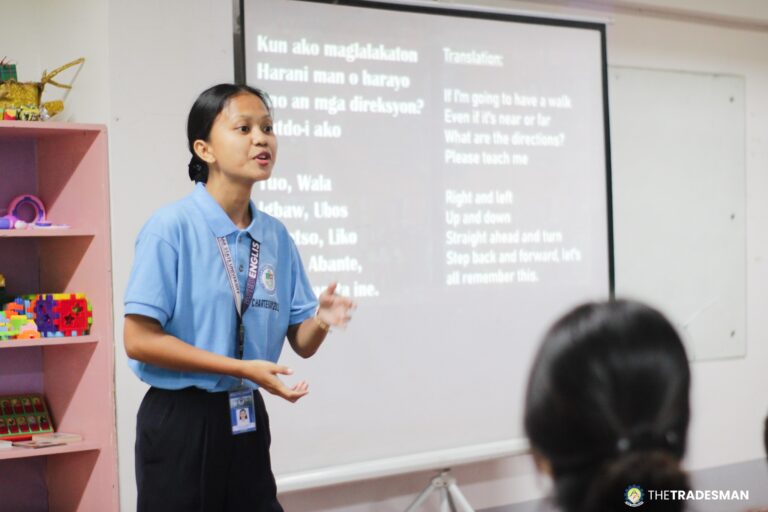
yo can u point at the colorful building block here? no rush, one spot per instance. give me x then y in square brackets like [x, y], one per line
[46, 315]
[62, 314]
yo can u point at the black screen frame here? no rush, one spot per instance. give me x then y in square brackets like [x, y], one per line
[239, 38]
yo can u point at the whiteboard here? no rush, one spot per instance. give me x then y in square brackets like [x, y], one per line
[678, 156]
[449, 169]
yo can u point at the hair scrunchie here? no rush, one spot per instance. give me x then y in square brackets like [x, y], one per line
[198, 170]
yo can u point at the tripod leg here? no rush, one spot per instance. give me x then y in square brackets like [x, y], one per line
[445, 501]
[421, 498]
[459, 498]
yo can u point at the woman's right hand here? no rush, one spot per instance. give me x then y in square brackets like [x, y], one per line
[264, 373]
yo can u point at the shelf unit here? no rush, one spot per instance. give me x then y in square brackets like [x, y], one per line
[66, 165]
[47, 342]
[45, 233]
[26, 453]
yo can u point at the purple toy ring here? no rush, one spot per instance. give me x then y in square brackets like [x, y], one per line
[12, 220]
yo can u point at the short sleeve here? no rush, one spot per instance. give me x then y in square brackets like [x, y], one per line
[151, 289]
[303, 300]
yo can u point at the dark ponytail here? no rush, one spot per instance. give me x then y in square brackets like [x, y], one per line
[202, 115]
[649, 470]
[198, 170]
[607, 406]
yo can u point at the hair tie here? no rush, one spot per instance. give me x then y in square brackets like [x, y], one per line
[198, 170]
[672, 438]
[645, 439]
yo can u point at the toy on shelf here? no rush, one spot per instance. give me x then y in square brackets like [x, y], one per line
[21, 416]
[17, 327]
[14, 220]
[46, 315]
[7, 70]
[62, 314]
[3, 294]
[17, 321]
[23, 100]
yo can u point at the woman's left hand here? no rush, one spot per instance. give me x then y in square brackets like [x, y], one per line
[333, 309]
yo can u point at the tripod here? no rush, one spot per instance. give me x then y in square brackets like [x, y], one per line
[451, 498]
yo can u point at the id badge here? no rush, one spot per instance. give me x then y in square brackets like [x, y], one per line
[242, 412]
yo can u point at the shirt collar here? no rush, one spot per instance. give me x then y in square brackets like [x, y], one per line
[215, 216]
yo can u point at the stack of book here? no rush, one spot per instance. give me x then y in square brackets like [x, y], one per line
[48, 440]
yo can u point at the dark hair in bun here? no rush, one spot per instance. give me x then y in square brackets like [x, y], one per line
[607, 405]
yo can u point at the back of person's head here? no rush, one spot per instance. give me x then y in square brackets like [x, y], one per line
[607, 406]
[765, 435]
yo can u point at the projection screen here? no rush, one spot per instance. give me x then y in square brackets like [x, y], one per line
[449, 168]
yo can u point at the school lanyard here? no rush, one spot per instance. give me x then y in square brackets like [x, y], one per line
[241, 305]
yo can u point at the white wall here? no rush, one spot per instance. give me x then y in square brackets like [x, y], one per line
[76, 28]
[727, 413]
[147, 60]
[174, 50]
[16, 42]
[42, 35]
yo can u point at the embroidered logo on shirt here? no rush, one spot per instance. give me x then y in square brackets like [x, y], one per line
[268, 278]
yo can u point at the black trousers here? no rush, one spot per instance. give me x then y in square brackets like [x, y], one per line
[187, 459]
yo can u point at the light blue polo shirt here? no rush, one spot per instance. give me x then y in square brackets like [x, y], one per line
[178, 278]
